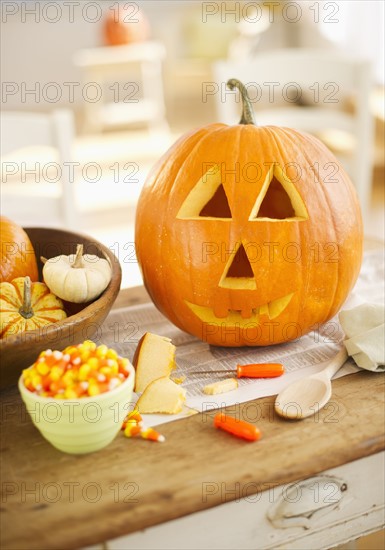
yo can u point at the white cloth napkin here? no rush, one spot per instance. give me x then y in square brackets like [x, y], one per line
[364, 328]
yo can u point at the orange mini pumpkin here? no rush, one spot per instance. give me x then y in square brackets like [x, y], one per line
[17, 254]
[241, 237]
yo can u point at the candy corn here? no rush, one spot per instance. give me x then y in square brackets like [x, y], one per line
[85, 370]
[132, 429]
[133, 417]
[133, 426]
[152, 435]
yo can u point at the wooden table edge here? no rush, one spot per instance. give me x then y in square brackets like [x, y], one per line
[138, 295]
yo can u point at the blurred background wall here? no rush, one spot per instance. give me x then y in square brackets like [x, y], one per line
[39, 39]
[51, 52]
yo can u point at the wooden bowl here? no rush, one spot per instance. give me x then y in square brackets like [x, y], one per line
[19, 351]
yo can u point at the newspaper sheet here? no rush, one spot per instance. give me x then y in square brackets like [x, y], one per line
[307, 355]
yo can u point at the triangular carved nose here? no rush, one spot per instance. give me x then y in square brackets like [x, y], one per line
[238, 273]
[240, 266]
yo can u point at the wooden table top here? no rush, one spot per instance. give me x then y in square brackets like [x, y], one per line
[53, 500]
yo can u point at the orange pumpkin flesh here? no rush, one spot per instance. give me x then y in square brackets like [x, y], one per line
[242, 240]
[17, 255]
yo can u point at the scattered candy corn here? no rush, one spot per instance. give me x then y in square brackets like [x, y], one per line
[85, 370]
[132, 429]
[133, 426]
[133, 416]
[152, 435]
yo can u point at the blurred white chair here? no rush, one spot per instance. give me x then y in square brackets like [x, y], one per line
[323, 78]
[42, 201]
[138, 99]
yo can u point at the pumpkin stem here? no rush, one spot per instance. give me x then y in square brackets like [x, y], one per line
[26, 310]
[78, 261]
[247, 110]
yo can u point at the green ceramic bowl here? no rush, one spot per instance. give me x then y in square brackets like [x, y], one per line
[80, 426]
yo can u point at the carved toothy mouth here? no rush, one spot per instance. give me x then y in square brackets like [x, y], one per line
[242, 317]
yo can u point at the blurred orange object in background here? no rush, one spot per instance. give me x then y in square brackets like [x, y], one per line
[122, 27]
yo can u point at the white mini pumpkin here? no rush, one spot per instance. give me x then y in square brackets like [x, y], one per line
[77, 278]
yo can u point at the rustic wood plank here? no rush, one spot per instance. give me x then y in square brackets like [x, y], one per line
[52, 500]
[244, 524]
[143, 484]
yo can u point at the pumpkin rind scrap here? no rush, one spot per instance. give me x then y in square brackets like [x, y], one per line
[46, 307]
[273, 263]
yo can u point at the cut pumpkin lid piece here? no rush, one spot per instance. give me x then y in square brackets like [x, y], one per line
[154, 358]
[162, 396]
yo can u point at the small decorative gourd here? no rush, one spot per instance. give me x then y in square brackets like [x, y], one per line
[77, 278]
[27, 306]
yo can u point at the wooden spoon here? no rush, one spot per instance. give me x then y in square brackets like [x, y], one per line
[305, 397]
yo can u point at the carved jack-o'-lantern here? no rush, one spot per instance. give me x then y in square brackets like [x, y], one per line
[243, 237]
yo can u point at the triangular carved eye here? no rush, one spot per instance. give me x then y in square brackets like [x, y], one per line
[278, 199]
[218, 205]
[238, 273]
[207, 199]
